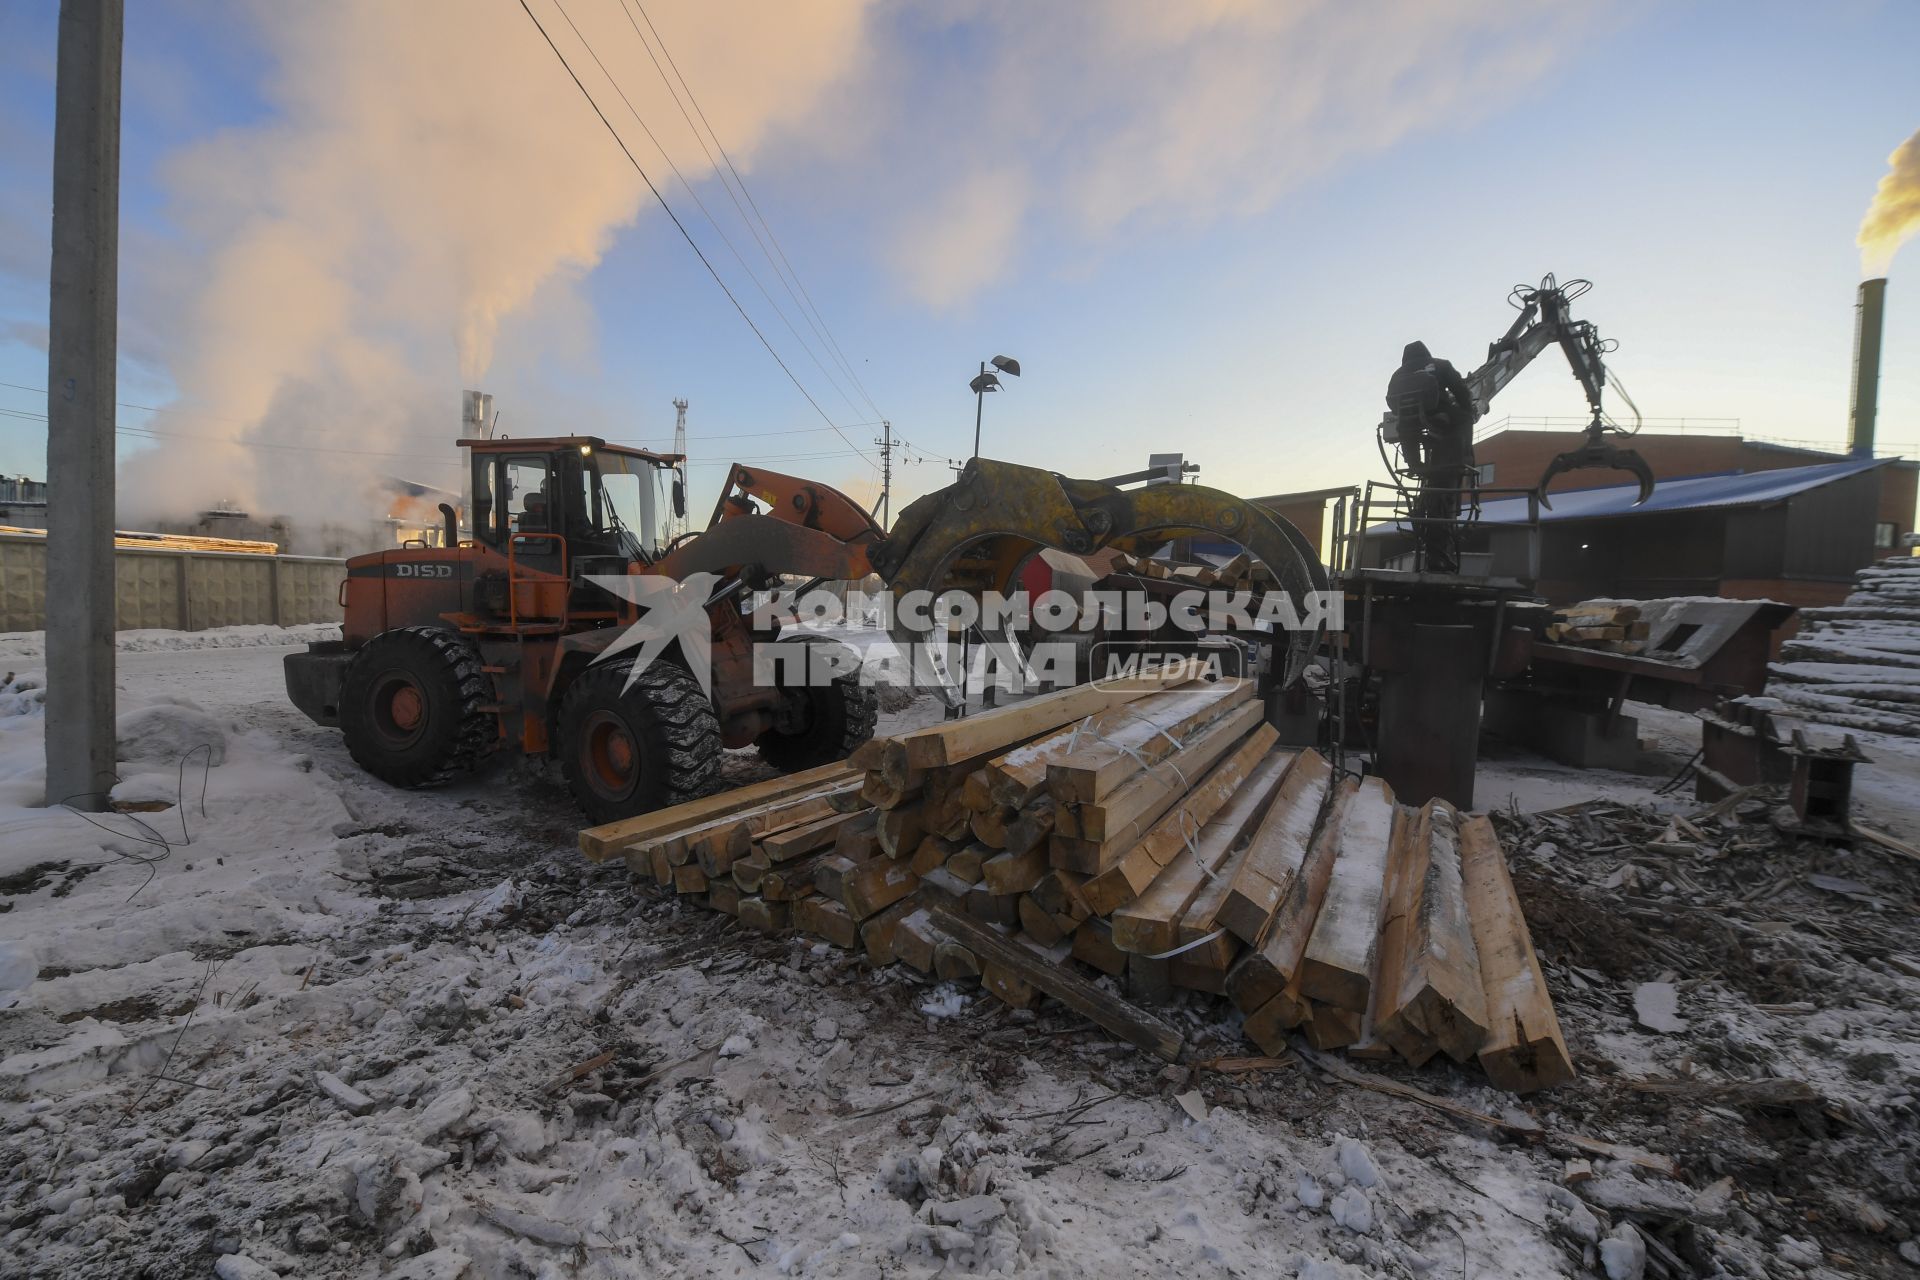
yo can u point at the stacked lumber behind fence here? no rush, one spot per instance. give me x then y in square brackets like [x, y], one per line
[1111, 845]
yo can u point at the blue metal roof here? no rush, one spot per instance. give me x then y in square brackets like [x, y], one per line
[1694, 493]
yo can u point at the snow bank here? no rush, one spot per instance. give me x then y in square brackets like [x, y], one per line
[33, 644]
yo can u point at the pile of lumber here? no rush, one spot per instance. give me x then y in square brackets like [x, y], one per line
[1136, 840]
[1612, 625]
[1242, 573]
[1857, 665]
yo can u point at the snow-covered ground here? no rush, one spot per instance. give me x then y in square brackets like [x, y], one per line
[301, 1024]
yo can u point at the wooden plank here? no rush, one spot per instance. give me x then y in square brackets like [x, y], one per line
[859, 838]
[1133, 1025]
[1197, 977]
[914, 938]
[1114, 748]
[716, 844]
[1131, 810]
[825, 919]
[1406, 862]
[791, 842]
[1014, 872]
[689, 879]
[790, 880]
[989, 825]
[1151, 923]
[724, 895]
[1030, 827]
[879, 933]
[1251, 982]
[1040, 924]
[877, 791]
[1009, 986]
[749, 871]
[1093, 945]
[1268, 1025]
[876, 885]
[900, 830]
[757, 913]
[1433, 992]
[932, 854]
[1058, 893]
[953, 962]
[1331, 1028]
[1278, 849]
[990, 732]
[1022, 774]
[1524, 1049]
[993, 908]
[965, 864]
[606, 841]
[1338, 966]
[1169, 833]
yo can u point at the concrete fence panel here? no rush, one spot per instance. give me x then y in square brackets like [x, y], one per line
[180, 590]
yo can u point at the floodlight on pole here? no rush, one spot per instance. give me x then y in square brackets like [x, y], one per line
[986, 382]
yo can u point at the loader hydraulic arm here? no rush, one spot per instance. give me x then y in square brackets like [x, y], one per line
[1545, 321]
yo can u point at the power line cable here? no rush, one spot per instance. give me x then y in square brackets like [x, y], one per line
[681, 228]
[702, 205]
[824, 330]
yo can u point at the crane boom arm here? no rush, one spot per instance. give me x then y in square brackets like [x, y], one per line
[1543, 321]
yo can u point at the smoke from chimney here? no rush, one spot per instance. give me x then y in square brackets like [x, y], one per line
[1894, 215]
[426, 173]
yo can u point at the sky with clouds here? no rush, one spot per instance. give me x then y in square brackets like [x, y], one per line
[1206, 227]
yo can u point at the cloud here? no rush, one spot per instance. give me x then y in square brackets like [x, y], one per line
[943, 253]
[1133, 113]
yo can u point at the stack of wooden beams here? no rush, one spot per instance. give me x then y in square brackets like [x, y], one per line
[1153, 833]
[1612, 625]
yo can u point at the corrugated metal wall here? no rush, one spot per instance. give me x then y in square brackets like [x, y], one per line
[181, 590]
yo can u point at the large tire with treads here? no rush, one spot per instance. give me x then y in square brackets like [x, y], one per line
[821, 723]
[414, 707]
[627, 751]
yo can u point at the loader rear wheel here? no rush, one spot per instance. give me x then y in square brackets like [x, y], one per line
[412, 707]
[627, 751]
[820, 723]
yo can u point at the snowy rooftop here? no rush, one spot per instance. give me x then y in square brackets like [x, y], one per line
[1694, 493]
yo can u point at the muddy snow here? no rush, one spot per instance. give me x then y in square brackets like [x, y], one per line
[296, 1023]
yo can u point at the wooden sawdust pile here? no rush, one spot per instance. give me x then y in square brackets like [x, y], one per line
[1152, 833]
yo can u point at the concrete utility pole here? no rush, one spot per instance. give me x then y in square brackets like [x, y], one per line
[82, 345]
[886, 471]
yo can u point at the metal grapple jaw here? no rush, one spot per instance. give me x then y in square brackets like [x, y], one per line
[1596, 452]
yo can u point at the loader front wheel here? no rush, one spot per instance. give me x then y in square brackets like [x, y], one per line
[413, 707]
[627, 751]
[823, 720]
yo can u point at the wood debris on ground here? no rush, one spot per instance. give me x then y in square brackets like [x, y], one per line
[1149, 833]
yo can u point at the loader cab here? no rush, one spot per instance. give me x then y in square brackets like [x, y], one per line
[575, 501]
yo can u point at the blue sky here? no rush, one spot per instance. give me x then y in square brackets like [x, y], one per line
[1706, 165]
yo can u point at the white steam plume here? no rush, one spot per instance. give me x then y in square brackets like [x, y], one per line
[428, 170]
[1894, 216]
